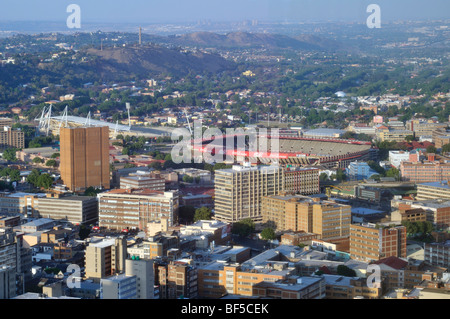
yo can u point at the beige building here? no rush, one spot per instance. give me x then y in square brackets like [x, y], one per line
[239, 191]
[85, 157]
[148, 182]
[105, 258]
[371, 242]
[328, 219]
[11, 138]
[393, 135]
[135, 208]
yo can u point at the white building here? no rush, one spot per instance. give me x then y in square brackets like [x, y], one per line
[396, 157]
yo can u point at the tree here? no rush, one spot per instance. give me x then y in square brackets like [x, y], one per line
[44, 181]
[409, 138]
[323, 177]
[244, 227]
[343, 270]
[32, 178]
[91, 191]
[431, 149]
[37, 160]
[55, 155]
[268, 234]
[14, 175]
[340, 175]
[9, 154]
[51, 163]
[446, 148]
[155, 165]
[202, 213]
[393, 172]
[188, 179]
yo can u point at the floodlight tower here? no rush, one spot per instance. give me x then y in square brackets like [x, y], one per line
[128, 110]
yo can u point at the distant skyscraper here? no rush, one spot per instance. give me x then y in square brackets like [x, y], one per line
[85, 157]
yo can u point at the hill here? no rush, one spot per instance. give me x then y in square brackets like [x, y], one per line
[154, 60]
[247, 40]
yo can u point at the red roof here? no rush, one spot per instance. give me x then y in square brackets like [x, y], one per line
[393, 262]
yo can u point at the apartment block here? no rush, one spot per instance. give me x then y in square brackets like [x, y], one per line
[105, 258]
[328, 219]
[218, 279]
[135, 208]
[437, 210]
[438, 254]
[299, 180]
[10, 138]
[425, 172]
[85, 157]
[393, 135]
[433, 190]
[407, 214]
[239, 191]
[371, 242]
[176, 279]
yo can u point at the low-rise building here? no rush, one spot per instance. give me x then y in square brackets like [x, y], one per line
[292, 288]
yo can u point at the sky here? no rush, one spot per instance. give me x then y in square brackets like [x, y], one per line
[173, 11]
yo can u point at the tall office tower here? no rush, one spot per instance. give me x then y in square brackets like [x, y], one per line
[85, 157]
[239, 190]
[371, 242]
[145, 280]
[105, 258]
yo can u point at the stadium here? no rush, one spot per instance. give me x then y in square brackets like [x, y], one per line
[298, 151]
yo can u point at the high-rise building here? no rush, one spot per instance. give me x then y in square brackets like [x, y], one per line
[85, 157]
[105, 258]
[239, 190]
[371, 242]
[11, 138]
[135, 208]
[143, 271]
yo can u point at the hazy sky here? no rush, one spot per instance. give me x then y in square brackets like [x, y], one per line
[156, 11]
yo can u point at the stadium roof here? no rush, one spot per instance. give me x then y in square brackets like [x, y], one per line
[92, 122]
